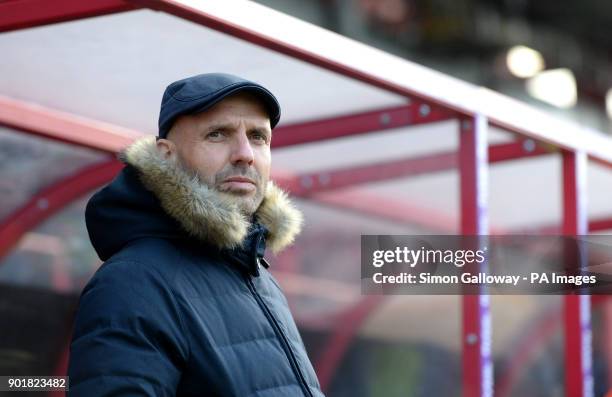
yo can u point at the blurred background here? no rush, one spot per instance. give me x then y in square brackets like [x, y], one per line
[553, 55]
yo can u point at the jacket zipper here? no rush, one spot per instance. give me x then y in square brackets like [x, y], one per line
[285, 342]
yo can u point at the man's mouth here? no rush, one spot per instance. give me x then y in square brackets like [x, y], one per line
[239, 183]
[239, 179]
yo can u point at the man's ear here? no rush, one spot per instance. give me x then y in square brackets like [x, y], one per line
[165, 147]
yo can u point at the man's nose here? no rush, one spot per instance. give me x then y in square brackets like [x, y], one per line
[242, 151]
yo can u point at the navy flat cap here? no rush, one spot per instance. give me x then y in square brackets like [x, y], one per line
[198, 93]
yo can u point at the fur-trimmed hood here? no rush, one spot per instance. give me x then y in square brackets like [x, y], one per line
[196, 209]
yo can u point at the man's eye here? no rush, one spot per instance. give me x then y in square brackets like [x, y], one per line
[214, 134]
[260, 137]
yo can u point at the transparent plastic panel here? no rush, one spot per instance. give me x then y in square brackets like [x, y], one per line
[41, 279]
[398, 345]
[82, 74]
[56, 255]
[599, 194]
[31, 163]
[371, 148]
[528, 345]
[321, 272]
[526, 195]
[409, 346]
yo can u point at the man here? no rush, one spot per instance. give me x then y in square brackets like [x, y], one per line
[184, 304]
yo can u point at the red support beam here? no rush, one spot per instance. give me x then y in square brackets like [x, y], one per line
[517, 150]
[52, 199]
[477, 364]
[417, 112]
[306, 184]
[64, 127]
[309, 183]
[596, 225]
[22, 14]
[578, 335]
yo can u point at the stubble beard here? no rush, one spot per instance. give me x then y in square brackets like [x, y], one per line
[246, 203]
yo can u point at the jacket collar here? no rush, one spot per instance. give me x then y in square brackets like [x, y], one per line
[203, 212]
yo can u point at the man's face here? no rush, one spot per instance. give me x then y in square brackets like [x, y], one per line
[227, 146]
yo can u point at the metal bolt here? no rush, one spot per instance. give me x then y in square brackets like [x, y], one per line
[385, 118]
[306, 182]
[42, 204]
[466, 125]
[471, 339]
[324, 179]
[424, 110]
[529, 145]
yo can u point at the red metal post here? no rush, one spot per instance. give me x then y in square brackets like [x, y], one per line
[607, 329]
[477, 364]
[578, 344]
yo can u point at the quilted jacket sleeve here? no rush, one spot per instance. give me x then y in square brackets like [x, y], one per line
[127, 338]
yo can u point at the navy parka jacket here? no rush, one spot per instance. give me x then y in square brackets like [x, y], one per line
[184, 304]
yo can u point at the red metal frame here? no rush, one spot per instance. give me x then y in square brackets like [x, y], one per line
[607, 326]
[309, 183]
[417, 112]
[52, 199]
[21, 14]
[497, 153]
[477, 369]
[64, 127]
[461, 98]
[477, 364]
[578, 350]
[600, 224]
